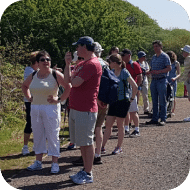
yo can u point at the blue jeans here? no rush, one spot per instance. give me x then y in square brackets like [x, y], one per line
[158, 92]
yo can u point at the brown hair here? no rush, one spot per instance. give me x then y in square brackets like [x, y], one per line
[172, 55]
[157, 42]
[33, 57]
[118, 59]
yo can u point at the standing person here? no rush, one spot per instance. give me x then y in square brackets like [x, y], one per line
[144, 85]
[85, 81]
[160, 66]
[28, 130]
[114, 49]
[187, 83]
[41, 89]
[174, 74]
[118, 110]
[136, 72]
[186, 55]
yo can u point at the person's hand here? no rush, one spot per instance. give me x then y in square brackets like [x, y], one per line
[30, 99]
[68, 58]
[173, 79]
[58, 69]
[101, 104]
[52, 99]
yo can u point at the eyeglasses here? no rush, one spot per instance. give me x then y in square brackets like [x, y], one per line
[43, 59]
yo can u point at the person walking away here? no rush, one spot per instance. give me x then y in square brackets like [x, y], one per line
[174, 74]
[144, 85]
[136, 73]
[118, 110]
[160, 66]
[41, 89]
[28, 130]
[85, 81]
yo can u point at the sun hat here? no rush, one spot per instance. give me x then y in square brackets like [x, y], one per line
[141, 54]
[98, 47]
[186, 48]
[84, 40]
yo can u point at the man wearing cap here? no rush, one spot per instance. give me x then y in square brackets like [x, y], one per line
[144, 85]
[85, 81]
[136, 72]
[186, 55]
[160, 66]
[186, 74]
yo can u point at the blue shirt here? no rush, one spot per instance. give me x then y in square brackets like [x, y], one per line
[159, 63]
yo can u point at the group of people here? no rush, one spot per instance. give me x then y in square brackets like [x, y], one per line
[87, 113]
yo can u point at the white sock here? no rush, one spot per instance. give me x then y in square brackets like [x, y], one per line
[97, 155]
[126, 128]
[137, 129]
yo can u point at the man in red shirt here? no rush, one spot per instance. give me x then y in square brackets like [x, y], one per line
[85, 81]
[136, 72]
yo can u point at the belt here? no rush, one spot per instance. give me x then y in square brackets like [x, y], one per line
[158, 78]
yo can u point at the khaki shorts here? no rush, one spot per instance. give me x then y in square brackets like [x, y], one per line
[134, 107]
[81, 127]
[101, 116]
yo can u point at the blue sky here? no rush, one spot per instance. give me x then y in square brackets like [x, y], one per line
[168, 14]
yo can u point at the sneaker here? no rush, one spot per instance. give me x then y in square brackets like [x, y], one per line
[77, 174]
[151, 122]
[187, 119]
[25, 150]
[36, 166]
[55, 168]
[103, 150]
[117, 151]
[78, 162]
[135, 134]
[162, 123]
[71, 146]
[83, 178]
[127, 132]
[97, 160]
[146, 112]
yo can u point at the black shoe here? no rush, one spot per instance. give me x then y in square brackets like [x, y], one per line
[97, 160]
[78, 162]
[135, 134]
[146, 112]
[162, 123]
[151, 122]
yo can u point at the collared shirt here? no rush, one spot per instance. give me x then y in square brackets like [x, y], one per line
[160, 63]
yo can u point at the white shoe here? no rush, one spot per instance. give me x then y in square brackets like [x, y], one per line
[36, 166]
[54, 168]
[187, 119]
[25, 150]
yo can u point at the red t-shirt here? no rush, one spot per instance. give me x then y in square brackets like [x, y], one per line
[134, 71]
[84, 97]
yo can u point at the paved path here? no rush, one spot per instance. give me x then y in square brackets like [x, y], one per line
[159, 159]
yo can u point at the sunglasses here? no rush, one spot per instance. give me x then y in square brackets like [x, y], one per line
[43, 59]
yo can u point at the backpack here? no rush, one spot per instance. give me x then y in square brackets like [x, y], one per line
[108, 90]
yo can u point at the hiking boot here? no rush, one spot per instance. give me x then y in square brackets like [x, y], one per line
[71, 146]
[151, 122]
[36, 166]
[117, 150]
[187, 119]
[25, 150]
[162, 123]
[78, 162]
[97, 160]
[83, 178]
[103, 150]
[54, 168]
[135, 134]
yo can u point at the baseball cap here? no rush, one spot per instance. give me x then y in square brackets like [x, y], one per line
[84, 40]
[141, 54]
[186, 48]
[125, 51]
[98, 47]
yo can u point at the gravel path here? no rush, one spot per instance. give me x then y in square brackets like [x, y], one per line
[158, 160]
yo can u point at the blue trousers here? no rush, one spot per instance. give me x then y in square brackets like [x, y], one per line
[158, 90]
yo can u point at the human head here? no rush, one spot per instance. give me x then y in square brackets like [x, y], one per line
[114, 49]
[33, 57]
[126, 55]
[172, 55]
[116, 58]
[186, 51]
[157, 45]
[41, 54]
[98, 49]
[158, 42]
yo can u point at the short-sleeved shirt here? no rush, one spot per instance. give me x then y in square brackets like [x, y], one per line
[124, 75]
[134, 70]
[144, 65]
[84, 97]
[159, 63]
